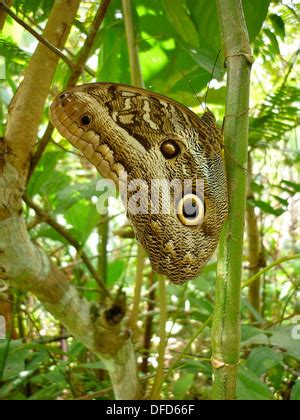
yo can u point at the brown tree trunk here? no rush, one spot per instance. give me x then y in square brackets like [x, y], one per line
[3, 15]
[22, 263]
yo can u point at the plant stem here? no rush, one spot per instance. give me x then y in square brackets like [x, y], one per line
[103, 232]
[138, 288]
[273, 264]
[226, 321]
[163, 316]
[135, 68]
[149, 323]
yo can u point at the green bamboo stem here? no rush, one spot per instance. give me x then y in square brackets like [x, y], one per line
[163, 317]
[135, 68]
[226, 320]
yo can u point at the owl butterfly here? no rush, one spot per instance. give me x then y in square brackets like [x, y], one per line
[126, 130]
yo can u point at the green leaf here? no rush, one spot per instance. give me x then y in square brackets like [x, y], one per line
[266, 207]
[278, 115]
[84, 217]
[113, 64]
[72, 194]
[284, 338]
[182, 385]
[205, 17]
[250, 387]
[274, 43]
[295, 394]
[45, 177]
[293, 185]
[15, 360]
[48, 393]
[93, 365]
[255, 12]
[278, 25]
[115, 270]
[177, 13]
[249, 331]
[281, 200]
[261, 359]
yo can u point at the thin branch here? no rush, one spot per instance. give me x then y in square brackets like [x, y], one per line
[77, 69]
[70, 53]
[3, 15]
[88, 44]
[148, 331]
[264, 270]
[49, 340]
[71, 152]
[184, 351]
[40, 150]
[69, 238]
[39, 37]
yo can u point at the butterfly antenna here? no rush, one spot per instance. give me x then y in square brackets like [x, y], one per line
[211, 77]
[193, 90]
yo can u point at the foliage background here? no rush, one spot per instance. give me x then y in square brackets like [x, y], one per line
[178, 45]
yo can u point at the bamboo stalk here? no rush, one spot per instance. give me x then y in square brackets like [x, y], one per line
[226, 321]
[159, 377]
[135, 68]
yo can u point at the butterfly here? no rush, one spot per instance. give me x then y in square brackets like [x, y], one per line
[167, 162]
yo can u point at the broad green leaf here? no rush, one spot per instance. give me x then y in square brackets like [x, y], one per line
[84, 217]
[266, 207]
[250, 387]
[293, 185]
[182, 385]
[72, 194]
[46, 393]
[255, 12]
[93, 365]
[177, 13]
[249, 331]
[288, 338]
[273, 40]
[195, 366]
[295, 394]
[281, 200]
[46, 179]
[115, 270]
[204, 14]
[253, 311]
[14, 363]
[261, 359]
[113, 62]
[278, 25]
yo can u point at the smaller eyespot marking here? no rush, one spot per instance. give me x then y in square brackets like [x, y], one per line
[86, 120]
[170, 149]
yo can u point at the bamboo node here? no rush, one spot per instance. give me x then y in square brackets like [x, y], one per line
[249, 57]
[218, 364]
